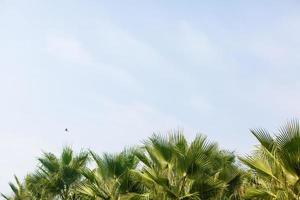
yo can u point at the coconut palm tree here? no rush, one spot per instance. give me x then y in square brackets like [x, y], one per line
[58, 176]
[275, 164]
[111, 179]
[174, 169]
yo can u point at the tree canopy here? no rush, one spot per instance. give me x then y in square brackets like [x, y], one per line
[169, 167]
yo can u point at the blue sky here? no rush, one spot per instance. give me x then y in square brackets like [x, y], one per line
[114, 72]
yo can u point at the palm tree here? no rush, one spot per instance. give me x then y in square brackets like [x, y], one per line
[164, 168]
[174, 169]
[20, 191]
[111, 179]
[58, 176]
[275, 165]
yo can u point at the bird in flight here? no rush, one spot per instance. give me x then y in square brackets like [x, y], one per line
[66, 130]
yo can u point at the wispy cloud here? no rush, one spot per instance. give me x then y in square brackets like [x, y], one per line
[277, 44]
[195, 45]
[200, 104]
[201, 66]
[67, 48]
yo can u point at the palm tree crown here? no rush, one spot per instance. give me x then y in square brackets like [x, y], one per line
[58, 176]
[275, 165]
[172, 168]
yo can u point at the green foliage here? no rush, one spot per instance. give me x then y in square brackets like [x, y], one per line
[19, 191]
[110, 179]
[275, 165]
[170, 168]
[57, 177]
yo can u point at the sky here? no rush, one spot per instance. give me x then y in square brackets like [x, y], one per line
[115, 72]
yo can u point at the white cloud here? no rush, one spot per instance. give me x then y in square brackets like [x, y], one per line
[201, 104]
[68, 49]
[119, 47]
[146, 66]
[127, 124]
[195, 44]
[118, 75]
[276, 51]
[278, 45]
[283, 100]
[197, 48]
